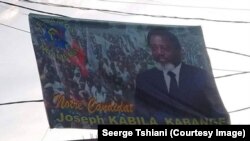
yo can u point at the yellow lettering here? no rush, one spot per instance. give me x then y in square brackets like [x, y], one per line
[94, 106]
[63, 103]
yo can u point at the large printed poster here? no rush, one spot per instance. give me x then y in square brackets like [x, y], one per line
[101, 72]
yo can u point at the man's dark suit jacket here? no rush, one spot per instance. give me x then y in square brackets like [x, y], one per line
[197, 98]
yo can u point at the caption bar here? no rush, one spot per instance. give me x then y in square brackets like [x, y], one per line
[166, 131]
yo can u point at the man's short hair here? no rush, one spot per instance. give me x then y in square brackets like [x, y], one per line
[163, 32]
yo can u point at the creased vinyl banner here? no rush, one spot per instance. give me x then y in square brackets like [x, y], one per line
[102, 72]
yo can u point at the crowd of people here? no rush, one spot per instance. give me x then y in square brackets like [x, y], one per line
[113, 61]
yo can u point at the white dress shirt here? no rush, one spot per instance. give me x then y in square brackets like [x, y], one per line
[170, 67]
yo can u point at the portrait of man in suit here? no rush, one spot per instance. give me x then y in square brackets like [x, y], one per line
[175, 90]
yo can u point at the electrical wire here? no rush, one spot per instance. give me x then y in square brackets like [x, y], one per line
[14, 6]
[228, 70]
[14, 28]
[239, 110]
[130, 13]
[227, 51]
[173, 5]
[228, 75]
[40, 11]
[19, 102]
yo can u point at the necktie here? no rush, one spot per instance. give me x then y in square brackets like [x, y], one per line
[173, 84]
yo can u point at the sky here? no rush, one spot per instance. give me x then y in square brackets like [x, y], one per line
[19, 79]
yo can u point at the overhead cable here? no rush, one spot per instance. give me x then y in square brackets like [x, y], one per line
[14, 28]
[19, 102]
[228, 75]
[239, 110]
[40, 11]
[227, 51]
[173, 5]
[129, 13]
[228, 70]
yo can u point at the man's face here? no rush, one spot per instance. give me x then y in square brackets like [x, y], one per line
[163, 50]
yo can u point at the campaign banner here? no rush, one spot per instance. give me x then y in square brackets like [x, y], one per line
[102, 72]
